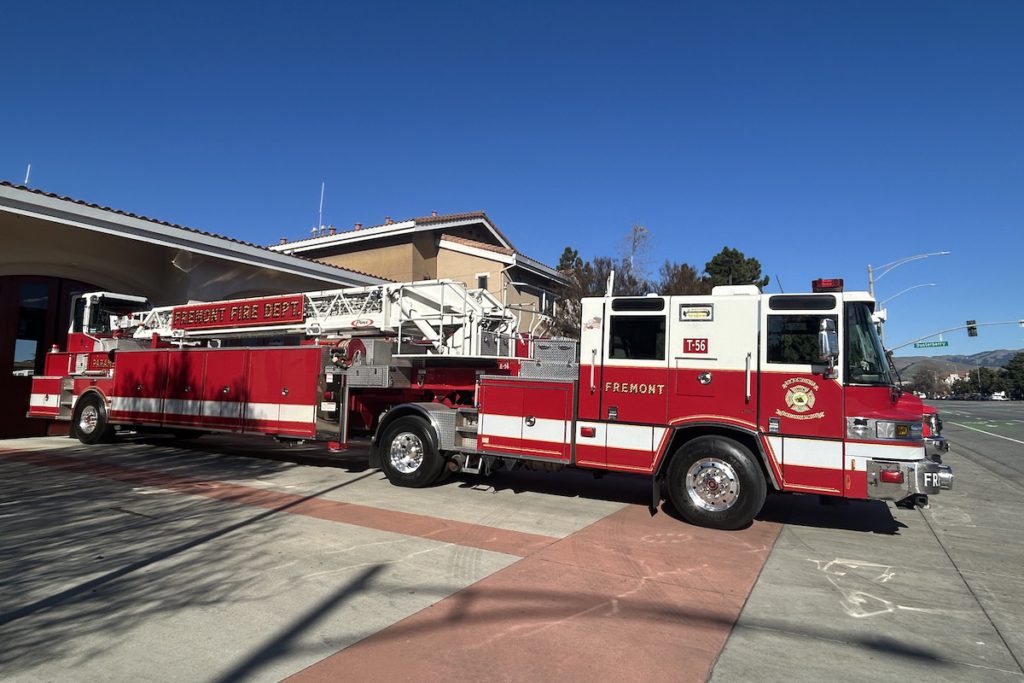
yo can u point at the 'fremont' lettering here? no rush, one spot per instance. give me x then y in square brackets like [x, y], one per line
[634, 388]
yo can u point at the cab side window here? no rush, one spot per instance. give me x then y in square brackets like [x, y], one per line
[637, 337]
[793, 338]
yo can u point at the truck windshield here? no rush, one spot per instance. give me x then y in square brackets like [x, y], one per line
[865, 359]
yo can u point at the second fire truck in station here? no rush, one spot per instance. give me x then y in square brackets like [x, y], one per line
[717, 399]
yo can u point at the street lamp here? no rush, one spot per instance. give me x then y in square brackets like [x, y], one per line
[884, 270]
[881, 311]
[883, 303]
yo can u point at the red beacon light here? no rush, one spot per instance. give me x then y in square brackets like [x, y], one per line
[832, 284]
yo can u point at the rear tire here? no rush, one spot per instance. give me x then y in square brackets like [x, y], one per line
[714, 481]
[89, 421]
[409, 455]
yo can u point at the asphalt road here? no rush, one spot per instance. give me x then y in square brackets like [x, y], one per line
[989, 433]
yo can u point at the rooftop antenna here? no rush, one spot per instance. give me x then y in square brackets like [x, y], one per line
[28, 172]
[779, 283]
[320, 220]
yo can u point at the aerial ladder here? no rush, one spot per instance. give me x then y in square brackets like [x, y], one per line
[431, 317]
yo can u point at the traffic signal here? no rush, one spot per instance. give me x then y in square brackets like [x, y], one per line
[972, 328]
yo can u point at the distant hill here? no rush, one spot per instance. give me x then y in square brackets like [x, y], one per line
[908, 365]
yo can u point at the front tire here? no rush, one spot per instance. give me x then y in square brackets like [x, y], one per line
[89, 421]
[409, 455]
[714, 481]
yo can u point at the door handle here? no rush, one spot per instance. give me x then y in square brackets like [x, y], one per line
[593, 362]
[531, 421]
[748, 377]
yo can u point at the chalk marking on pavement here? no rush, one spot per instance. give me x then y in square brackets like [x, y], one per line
[989, 433]
[847, 576]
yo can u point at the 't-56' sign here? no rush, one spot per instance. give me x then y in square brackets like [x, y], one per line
[695, 346]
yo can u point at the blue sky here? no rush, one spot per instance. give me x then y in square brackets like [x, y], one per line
[817, 137]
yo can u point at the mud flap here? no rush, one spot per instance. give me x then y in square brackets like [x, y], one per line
[655, 495]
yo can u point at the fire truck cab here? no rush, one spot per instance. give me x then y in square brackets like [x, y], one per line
[718, 398]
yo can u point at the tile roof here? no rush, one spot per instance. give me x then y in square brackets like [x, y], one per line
[446, 218]
[421, 220]
[480, 245]
[52, 195]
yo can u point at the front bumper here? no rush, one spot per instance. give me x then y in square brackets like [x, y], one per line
[935, 447]
[919, 478]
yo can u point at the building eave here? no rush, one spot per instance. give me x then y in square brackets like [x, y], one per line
[376, 232]
[470, 250]
[64, 210]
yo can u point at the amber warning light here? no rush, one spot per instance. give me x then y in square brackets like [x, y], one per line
[833, 284]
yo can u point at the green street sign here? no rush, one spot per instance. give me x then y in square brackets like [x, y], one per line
[930, 345]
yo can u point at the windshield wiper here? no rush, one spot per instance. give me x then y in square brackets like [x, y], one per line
[897, 386]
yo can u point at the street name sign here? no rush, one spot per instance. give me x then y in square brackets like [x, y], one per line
[930, 345]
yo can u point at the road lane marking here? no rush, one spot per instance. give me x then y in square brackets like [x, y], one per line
[989, 433]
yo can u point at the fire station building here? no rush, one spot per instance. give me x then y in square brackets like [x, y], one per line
[55, 247]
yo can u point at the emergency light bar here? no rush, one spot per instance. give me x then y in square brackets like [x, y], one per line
[834, 284]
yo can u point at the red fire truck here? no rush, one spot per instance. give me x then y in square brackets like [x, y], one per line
[717, 399]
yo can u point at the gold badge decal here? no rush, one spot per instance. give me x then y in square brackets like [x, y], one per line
[800, 399]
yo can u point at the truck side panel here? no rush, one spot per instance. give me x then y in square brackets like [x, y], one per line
[525, 417]
[224, 389]
[139, 381]
[283, 391]
[186, 375]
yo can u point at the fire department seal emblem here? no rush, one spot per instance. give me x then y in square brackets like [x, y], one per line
[800, 399]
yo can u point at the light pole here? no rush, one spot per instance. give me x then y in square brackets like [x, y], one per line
[884, 270]
[881, 304]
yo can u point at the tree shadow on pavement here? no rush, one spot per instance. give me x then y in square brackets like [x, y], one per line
[84, 561]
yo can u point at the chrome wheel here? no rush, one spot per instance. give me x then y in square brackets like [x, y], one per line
[406, 453]
[88, 419]
[712, 484]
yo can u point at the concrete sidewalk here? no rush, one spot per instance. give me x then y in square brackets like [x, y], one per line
[851, 592]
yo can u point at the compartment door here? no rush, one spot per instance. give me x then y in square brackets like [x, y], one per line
[139, 380]
[224, 391]
[529, 419]
[183, 391]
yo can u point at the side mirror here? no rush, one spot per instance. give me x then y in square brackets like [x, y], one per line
[828, 340]
[828, 346]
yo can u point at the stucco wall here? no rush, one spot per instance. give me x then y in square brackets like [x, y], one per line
[394, 262]
[453, 265]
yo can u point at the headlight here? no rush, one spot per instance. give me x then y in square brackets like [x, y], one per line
[897, 430]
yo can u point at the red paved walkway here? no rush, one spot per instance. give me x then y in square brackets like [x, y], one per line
[629, 598]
